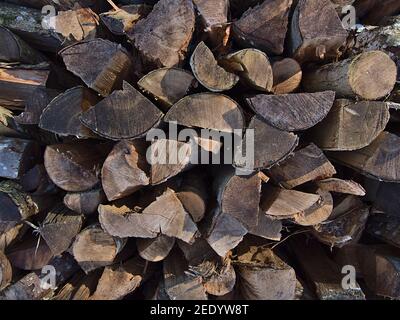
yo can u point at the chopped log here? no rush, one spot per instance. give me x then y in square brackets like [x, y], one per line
[322, 273]
[207, 71]
[132, 115]
[37, 182]
[351, 125]
[79, 287]
[156, 249]
[17, 156]
[267, 227]
[373, 12]
[263, 275]
[252, 66]
[316, 32]
[287, 75]
[207, 110]
[125, 170]
[85, 202]
[350, 78]
[264, 26]
[93, 248]
[341, 186]
[307, 164]
[76, 166]
[101, 64]
[12, 236]
[293, 112]
[5, 271]
[152, 36]
[379, 160]
[385, 227]
[71, 104]
[18, 83]
[167, 85]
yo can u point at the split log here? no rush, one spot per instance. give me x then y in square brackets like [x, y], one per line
[153, 39]
[316, 31]
[373, 12]
[293, 112]
[76, 166]
[12, 236]
[101, 64]
[85, 202]
[156, 249]
[287, 75]
[385, 227]
[341, 186]
[307, 164]
[350, 78]
[264, 26]
[93, 248]
[125, 170]
[267, 227]
[37, 182]
[5, 271]
[252, 66]
[70, 104]
[132, 115]
[167, 85]
[17, 156]
[351, 125]
[207, 110]
[79, 287]
[379, 160]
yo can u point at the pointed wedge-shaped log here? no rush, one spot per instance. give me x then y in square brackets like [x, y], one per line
[85, 202]
[350, 78]
[5, 271]
[156, 249]
[207, 110]
[207, 71]
[264, 26]
[307, 164]
[70, 104]
[341, 186]
[252, 66]
[132, 115]
[101, 64]
[167, 85]
[267, 227]
[152, 37]
[293, 112]
[125, 170]
[319, 40]
[380, 160]
[75, 166]
[287, 75]
[351, 125]
[93, 248]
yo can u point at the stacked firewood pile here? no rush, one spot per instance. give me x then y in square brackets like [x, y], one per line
[83, 86]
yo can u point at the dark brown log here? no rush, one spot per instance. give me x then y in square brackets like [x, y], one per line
[293, 112]
[287, 76]
[350, 78]
[207, 71]
[307, 164]
[125, 170]
[207, 110]
[156, 249]
[5, 271]
[373, 12]
[125, 114]
[316, 31]
[264, 26]
[379, 160]
[351, 125]
[37, 182]
[385, 196]
[167, 85]
[341, 186]
[385, 227]
[75, 167]
[85, 202]
[17, 156]
[101, 64]
[153, 39]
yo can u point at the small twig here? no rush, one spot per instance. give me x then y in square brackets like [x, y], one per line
[112, 4]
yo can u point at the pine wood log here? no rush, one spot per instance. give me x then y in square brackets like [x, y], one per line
[75, 166]
[379, 160]
[167, 85]
[307, 164]
[207, 110]
[316, 32]
[264, 26]
[253, 68]
[17, 156]
[101, 64]
[287, 75]
[373, 12]
[5, 271]
[85, 202]
[292, 112]
[351, 125]
[156, 249]
[79, 287]
[93, 248]
[350, 78]
[152, 37]
[125, 170]
[132, 115]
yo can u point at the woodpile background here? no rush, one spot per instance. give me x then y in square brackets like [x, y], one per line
[79, 92]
